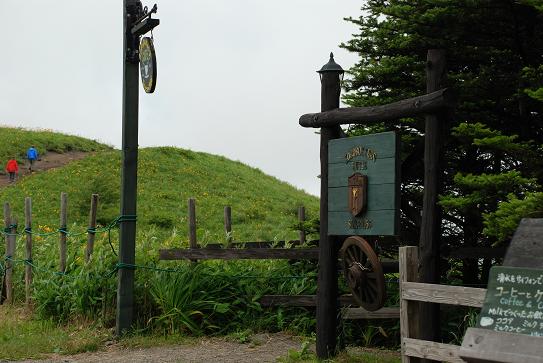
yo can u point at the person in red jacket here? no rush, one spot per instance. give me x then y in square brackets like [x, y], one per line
[12, 168]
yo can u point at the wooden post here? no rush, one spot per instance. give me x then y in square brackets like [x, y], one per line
[192, 223]
[62, 234]
[9, 253]
[327, 308]
[409, 312]
[228, 224]
[92, 226]
[301, 219]
[431, 214]
[28, 247]
[129, 174]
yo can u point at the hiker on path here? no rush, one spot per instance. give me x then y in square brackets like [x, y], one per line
[12, 168]
[32, 156]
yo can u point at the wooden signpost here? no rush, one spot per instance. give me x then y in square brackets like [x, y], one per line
[363, 185]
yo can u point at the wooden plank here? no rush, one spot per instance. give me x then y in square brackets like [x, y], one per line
[92, 225]
[371, 148]
[28, 249]
[261, 244]
[431, 102]
[431, 350]
[443, 294]
[491, 346]
[382, 171]
[409, 328]
[380, 196]
[373, 223]
[360, 313]
[238, 253]
[62, 235]
[301, 300]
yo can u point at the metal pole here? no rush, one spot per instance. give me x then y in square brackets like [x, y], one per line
[127, 234]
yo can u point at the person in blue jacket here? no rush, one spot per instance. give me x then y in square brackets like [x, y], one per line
[32, 156]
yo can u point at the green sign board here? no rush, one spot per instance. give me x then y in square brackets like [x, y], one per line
[363, 185]
[513, 301]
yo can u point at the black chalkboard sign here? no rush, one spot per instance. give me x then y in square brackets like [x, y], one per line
[514, 301]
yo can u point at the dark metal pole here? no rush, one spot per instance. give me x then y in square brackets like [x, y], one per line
[125, 288]
[327, 308]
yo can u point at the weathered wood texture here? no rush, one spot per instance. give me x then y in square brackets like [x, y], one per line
[62, 235]
[431, 350]
[409, 310]
[428, 103]
[239, 253]
[431, 214]
[327, 308]
[301, 220]
[443, 294]
[228, 225]
[192, 223]
[482, 345]
[360, 313]
[10, 252]
[28, 249]
[527, 236]
[376, 157]
[92, 225]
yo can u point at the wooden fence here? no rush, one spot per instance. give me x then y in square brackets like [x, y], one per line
[411, 293]
[11, 232]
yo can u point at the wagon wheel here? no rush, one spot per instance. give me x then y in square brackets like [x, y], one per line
[364, 273]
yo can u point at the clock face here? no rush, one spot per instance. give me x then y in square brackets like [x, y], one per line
[147, 64]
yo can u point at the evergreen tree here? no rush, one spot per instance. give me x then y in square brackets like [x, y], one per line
[492, 150]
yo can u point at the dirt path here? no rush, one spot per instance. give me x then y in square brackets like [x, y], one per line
[263, 348]
[48, 161]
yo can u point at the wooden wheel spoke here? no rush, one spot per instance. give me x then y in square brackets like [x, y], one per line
[363, 272]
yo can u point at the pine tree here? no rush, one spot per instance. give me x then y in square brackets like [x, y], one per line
[492, 141]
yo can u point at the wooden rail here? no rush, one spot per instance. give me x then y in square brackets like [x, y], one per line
[413, 292]
[239, 253]
[428, 103]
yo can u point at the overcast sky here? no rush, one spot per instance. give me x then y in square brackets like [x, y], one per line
[233, 76]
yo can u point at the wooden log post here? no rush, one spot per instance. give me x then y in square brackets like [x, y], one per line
[92, 227]
[301, 220]
[228, 225]
[28, 248]
[192, 223]
[409, 312]
[431, 214]
[62, 230]
[8, 265]
[327, 307]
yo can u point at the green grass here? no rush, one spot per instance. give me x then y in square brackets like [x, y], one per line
[350, 355]
[263, 208]
[15, 141]
[22, 337]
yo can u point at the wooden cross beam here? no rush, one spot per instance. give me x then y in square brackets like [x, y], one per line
[428, 103]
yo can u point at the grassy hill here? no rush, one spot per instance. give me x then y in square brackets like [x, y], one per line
[263, 208]
[15, 141]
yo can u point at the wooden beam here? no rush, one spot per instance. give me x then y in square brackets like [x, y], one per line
[302, 300]
[240, 254]
[443, 294]
[383, 313]
[428, 103]
[431, 350]
[409, 311]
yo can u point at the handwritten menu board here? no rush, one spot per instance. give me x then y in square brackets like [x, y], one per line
[514, 301]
